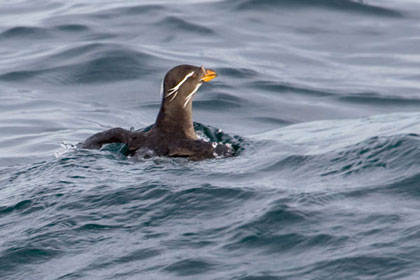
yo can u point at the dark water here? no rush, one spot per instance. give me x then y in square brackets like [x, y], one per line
[324, 98]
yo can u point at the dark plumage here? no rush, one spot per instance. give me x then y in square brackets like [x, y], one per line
[173, 133]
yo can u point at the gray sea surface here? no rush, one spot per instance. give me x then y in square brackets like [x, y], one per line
[320, 97]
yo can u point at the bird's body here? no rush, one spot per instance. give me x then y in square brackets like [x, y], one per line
[173, 133]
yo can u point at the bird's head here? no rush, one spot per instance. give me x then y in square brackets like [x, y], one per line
[182, 82]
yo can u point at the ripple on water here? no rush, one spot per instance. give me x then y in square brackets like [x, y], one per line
[269, 231]
[18, 207]
[25, 32]
[239, 73]
[72, 27]
[405, 188]
[94, 62]
[179, 24]
[14, 257]
[343, 5]
[128, 11]
[190, 266]
[392, 156]
[369, 99]
[287, 88]
[380, 266]
[395, 153]
[220, 101]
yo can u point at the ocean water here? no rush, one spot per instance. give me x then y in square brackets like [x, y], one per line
[321, 98]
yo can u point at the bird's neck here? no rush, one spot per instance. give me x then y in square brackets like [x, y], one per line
[176, 121]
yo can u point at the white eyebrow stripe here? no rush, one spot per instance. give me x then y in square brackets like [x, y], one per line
[189, 96]
[170, 93]
[175, 88]
[173, 97]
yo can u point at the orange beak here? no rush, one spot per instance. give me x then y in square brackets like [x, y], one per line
[210, 75]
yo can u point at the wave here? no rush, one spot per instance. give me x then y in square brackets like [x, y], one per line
[219, 101]
[181, 25]
[72, 27]
[376, 266]
[128, 11]
[39, 33]
[405, 187]
[18, 207]
[25, 32]
[342, 5]
[375, 151]
[14, 257]
[90, 63]
[190, 266]
[277, 87]
[379, 100]
[396, 155]
[240, 73]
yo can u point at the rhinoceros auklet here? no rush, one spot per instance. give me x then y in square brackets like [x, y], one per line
[173, 133]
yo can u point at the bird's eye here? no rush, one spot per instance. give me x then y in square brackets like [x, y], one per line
[194, 76]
